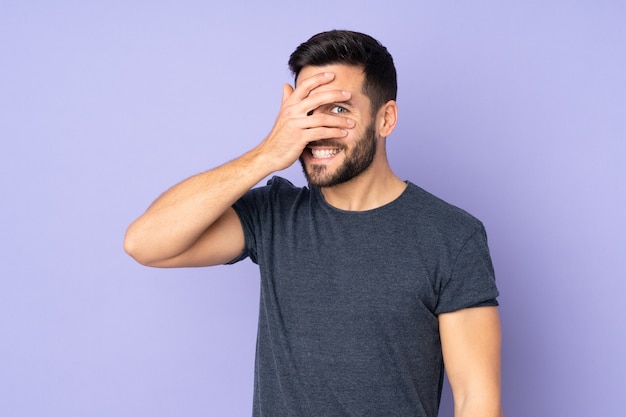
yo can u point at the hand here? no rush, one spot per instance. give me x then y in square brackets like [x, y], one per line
[296, 126]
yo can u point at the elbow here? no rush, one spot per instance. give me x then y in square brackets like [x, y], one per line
[479, 406]
[143, 249]
[133, 247]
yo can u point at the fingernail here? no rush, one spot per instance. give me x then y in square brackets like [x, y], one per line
[328, 74]
[346, 93]
[350, 122]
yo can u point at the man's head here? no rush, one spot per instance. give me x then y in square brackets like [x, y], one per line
[354, 49]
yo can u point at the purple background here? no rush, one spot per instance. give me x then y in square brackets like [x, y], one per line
[514, 112]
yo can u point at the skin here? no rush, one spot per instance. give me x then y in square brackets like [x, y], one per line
[377, 185]
[193, 224]
[471, 341]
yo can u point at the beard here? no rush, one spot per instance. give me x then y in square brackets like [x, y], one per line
[356, 162]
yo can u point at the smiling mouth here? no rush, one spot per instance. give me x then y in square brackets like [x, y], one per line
[324, 153]
[324, 149]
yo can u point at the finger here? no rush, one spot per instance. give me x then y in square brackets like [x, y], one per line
[287, 92]
[318, 99]
[306, 85]
[325, 121]
[307, 106]
[323, 133]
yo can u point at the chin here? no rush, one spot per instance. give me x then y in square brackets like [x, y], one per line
[318, 175]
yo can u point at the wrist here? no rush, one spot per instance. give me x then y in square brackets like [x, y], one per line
[265, 163]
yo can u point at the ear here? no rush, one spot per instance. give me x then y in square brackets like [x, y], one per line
[386, 118]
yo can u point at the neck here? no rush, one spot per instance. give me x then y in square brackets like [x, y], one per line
[375, 187]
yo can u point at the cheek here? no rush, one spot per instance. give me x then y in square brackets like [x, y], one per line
[356, 132]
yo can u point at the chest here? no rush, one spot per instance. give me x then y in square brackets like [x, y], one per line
[352, 267]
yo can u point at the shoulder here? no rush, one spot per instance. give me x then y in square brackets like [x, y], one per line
[436, 207]
[282, 185]
[440, 216]
[279, 188]
[276, 192]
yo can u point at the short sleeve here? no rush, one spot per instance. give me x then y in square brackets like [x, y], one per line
[248, 209]
[471, 282]
[254, 209]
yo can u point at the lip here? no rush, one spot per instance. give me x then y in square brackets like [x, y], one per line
[322, 153]
[326, 144]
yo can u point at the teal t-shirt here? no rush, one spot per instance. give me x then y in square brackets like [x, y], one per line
[349, 299]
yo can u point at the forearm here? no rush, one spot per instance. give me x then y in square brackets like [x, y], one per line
[184, 214]
[176, 219]
[485, 407]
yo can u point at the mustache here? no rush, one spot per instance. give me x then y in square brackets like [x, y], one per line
[333, 143]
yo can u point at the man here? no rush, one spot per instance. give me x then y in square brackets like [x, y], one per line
[368, 283]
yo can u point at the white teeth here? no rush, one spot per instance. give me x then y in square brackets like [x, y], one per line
[324, 153]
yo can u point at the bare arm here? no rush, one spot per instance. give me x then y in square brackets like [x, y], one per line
[193, 224]
[471, 339]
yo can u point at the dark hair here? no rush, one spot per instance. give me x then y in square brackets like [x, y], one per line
[351, 48]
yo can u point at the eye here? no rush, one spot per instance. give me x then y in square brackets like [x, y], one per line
[338, 110]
